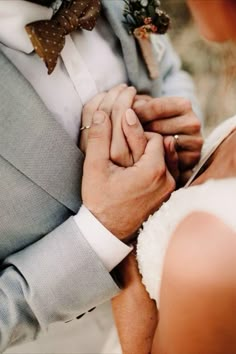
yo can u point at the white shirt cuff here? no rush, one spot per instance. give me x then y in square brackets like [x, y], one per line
[109, 248]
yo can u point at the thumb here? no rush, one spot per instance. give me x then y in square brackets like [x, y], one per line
[99, 140]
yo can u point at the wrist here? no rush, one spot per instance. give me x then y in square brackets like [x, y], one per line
[116, 225]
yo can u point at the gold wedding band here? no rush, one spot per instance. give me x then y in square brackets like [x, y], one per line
[85, 127]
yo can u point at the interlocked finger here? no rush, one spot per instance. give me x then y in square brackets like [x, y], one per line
[175, 125]
[188, 159]
[120, 152]
[134, 135]
[87, 115]
[188, 142]
[90, 108]
[107, 103]
[171, 157]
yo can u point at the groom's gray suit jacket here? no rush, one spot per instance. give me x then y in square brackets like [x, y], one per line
[48, 273]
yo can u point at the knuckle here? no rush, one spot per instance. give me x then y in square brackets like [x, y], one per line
[159, 140]
[185, 104]
[162, 182]
[196, 125]
[157, 173]
[196, 155]
[186, 162]
[132, 91]
[189, 160]
[154, 126]
[87, 110]
[120, 157]
[200, 142]
[158, 106]
[105, 107]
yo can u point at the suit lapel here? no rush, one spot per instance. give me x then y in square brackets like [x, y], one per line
[34, 143]
[137, 71]
[114, 14]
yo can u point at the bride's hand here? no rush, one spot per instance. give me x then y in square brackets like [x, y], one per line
[126, 149]
[171, 155]
[171, 116]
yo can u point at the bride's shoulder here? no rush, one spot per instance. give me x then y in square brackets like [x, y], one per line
[216, 197]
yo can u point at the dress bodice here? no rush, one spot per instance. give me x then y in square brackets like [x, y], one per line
[214, 196]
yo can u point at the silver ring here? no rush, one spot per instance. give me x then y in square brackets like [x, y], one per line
[85, 127]
[177, 144]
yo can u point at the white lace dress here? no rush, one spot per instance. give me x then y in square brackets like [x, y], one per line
[217, 197]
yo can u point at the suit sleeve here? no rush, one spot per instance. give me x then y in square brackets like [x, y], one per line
[175, 81]
[54, 279]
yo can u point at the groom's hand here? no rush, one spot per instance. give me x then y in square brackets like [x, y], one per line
[122, 198]
[170, 116]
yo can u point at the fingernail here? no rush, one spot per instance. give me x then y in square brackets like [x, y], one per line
[123, 85]
[131, 117]
[98, 117]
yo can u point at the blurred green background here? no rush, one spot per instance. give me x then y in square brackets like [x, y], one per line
[213, 66]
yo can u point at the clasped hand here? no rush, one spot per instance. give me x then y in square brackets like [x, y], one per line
[126, 177]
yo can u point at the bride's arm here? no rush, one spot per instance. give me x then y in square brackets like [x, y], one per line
[134, 312]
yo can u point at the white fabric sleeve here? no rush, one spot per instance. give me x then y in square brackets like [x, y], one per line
[53, 280]
[108, 248]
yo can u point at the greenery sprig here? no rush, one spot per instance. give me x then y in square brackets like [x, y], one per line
[143, 17]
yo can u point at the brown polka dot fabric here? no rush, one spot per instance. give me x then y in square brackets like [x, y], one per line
[48, 37]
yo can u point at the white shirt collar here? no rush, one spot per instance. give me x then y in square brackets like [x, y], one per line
[14, 16]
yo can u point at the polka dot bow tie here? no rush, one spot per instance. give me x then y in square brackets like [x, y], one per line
[48, 37]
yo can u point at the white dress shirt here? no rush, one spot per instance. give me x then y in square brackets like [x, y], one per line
[90, 63]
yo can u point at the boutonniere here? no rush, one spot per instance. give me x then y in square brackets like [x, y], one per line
[142, 19]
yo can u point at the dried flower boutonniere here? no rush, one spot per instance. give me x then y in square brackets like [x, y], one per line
[143, 18]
